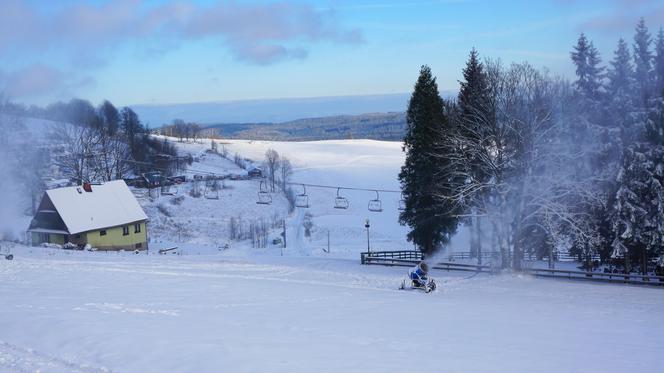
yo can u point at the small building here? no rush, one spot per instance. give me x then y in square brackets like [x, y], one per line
[255, 172]
[105, 216]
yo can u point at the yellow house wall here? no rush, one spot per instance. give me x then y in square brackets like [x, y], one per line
[115, 240]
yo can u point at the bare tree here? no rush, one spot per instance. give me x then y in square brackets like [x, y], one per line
[79, 143]
[286, 170]
[272, 165]
[532, 180]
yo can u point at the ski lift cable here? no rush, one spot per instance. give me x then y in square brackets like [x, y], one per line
[345, 188]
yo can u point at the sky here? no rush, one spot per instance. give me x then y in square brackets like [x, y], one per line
[159, 52]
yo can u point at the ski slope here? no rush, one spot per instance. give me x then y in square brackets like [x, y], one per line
[93, 312]
[299, 308]
[363, 164]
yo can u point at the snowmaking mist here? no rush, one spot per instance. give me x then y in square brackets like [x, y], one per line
[16, 148]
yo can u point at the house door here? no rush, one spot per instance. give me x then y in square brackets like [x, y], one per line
[66, 238]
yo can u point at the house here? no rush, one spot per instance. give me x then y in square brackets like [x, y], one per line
[105, 216]
[255, 172]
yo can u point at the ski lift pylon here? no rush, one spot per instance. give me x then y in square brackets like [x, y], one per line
[340, 202]
[302, 200]
[375, 205]
[264, 197]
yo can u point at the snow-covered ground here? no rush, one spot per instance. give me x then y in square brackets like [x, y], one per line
[77, 311]
[363, 164]
[244, 309]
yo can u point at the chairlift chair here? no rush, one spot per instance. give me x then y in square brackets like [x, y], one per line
[340, 202]
[402, 203]
[375, 205]
[264, 197]
[302, 200]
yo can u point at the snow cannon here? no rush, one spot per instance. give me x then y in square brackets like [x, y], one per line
[422, 269]
[419, 278]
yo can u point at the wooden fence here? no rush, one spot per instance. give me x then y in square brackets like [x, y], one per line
[410, 258]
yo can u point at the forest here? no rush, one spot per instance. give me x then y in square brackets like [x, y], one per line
[535, 164]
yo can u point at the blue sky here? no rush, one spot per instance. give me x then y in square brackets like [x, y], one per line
[158, 51]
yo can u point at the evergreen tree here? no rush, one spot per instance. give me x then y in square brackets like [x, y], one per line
[642, 62]
[474, 123]
[621, 71]
[473, 91]
[658, 65]
[580, 59]
[132, 127]
[110, 117]
[589, 73]
[638, 219]
[431, 223]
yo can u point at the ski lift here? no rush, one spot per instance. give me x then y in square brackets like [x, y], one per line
[340, 202]
[264, 197]
[302, 200]
[402, 203]
[375, 205]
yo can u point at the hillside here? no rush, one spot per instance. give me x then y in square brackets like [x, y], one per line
[375, 126]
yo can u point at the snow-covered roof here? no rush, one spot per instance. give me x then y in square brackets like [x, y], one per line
[108, 205]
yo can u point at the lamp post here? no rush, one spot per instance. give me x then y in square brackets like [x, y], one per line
[366, 225]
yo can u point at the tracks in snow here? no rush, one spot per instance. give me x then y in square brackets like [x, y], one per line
[18, 359]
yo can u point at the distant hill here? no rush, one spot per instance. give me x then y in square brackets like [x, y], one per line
[272, 110]
[375, 126]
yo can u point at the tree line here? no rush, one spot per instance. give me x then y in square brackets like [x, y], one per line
[88, 144]
[540, 164]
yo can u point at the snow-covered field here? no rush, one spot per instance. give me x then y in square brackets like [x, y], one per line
[78, 311]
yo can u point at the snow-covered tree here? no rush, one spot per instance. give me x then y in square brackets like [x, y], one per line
[475, 120]
[639, 210]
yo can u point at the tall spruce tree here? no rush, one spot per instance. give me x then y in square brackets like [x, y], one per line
[658, 64]
[474, 124]
[642, 62]
[589, 73]
[431, 223]
[621, 71]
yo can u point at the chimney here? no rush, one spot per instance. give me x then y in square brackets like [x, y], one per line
[87, 187]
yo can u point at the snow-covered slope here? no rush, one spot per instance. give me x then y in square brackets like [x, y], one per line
[363, 164]
[89, 312]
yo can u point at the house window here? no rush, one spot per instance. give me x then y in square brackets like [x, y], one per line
[78, 236]
[44, 237]
[102, 232]
[137, 228]
[138, 245]
[125, 230]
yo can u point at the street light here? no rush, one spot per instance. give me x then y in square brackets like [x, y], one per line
[366, 225]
